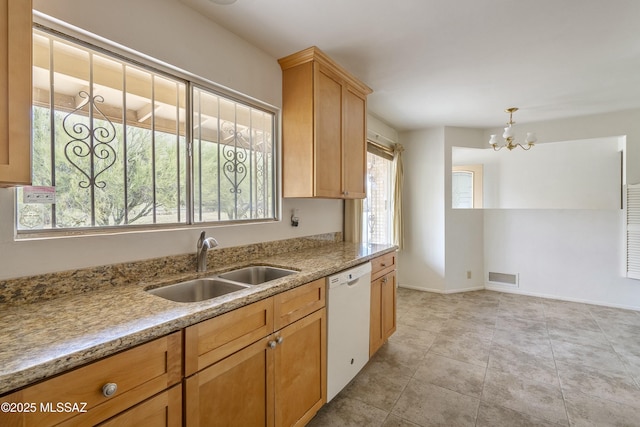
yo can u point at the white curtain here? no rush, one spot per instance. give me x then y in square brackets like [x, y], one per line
[398, 228]
[353, 209]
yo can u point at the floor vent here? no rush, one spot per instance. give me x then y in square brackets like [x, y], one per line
[503, 279]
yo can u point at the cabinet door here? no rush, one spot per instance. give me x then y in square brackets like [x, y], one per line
[383, 311]
[163, 410]
[15, 87]
[375, 330]
[328, 134]
[237, 391]
[300, 370]
[388, 296]
[354, 145]
[297, 131]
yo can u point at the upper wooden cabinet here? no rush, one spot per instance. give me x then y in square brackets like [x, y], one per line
[15, 92]
[323, 128]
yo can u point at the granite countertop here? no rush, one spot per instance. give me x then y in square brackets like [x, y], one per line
[44, 338]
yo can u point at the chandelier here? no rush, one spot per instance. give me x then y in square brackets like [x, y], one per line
[508, 136]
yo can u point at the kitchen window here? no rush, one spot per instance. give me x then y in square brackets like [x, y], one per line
[121, 144]
[377, 221]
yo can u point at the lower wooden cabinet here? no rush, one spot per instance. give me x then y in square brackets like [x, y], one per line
[104, 389]
[237, 391]
[383, 302]
[261, 365]
[300, 380]
[278, 380]
[162, 410]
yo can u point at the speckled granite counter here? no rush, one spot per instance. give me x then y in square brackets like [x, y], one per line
[44, 337]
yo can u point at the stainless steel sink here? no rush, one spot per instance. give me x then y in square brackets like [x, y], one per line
[210, 287]
[196, 290]
[256, 274]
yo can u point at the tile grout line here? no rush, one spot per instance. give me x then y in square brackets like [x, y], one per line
[618, 355]
[555, 364]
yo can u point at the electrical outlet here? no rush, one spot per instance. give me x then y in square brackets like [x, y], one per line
[468, 274]
[295, 217]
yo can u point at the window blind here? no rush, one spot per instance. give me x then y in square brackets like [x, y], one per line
[633, 231]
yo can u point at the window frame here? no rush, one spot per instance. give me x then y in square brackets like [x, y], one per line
[119, 52]
[384, 153]
[476, 172]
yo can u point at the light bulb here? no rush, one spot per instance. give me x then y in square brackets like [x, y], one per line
[531, 138]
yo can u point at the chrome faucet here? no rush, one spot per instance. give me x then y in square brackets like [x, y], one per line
[204, 244]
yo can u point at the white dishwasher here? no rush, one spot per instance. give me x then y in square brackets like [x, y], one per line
[348, 314]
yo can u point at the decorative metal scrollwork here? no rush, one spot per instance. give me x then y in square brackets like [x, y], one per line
[234, 167]
[90, 142]
[260, 182]
[239, 135]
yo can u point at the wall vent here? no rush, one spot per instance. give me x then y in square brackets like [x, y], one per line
[503, 279]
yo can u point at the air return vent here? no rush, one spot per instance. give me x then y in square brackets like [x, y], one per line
[507, 279]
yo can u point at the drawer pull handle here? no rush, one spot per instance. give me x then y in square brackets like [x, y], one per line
[272, 344]
[383, 264]
[279, 340]
[385, 279]
[109, 389]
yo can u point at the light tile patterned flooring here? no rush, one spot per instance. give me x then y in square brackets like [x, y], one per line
[496, 359]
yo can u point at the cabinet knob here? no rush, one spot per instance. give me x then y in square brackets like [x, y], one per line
[382, 264]
[385, 279]
[279, 340]
[272, 344]
[109, 389]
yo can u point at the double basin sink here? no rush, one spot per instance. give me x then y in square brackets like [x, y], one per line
[205, 288]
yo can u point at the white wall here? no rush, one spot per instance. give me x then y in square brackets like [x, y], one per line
[583, 174]
[441, 244]
[570, 254]
[576, 255]
[421, 263]
[464, 232]
[171, 32]
[379, 131]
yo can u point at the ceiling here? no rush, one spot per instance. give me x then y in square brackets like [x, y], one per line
[460, 62]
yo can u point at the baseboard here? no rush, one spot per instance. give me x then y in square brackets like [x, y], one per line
[441, 291]
[510, 290]
[518, 291]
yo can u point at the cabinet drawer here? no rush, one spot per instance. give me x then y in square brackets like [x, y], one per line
[162, 410]
[139, 373]
[214, 339]
[383, 264]
[298, 302]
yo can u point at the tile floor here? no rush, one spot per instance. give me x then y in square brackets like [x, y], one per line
[496, 359]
